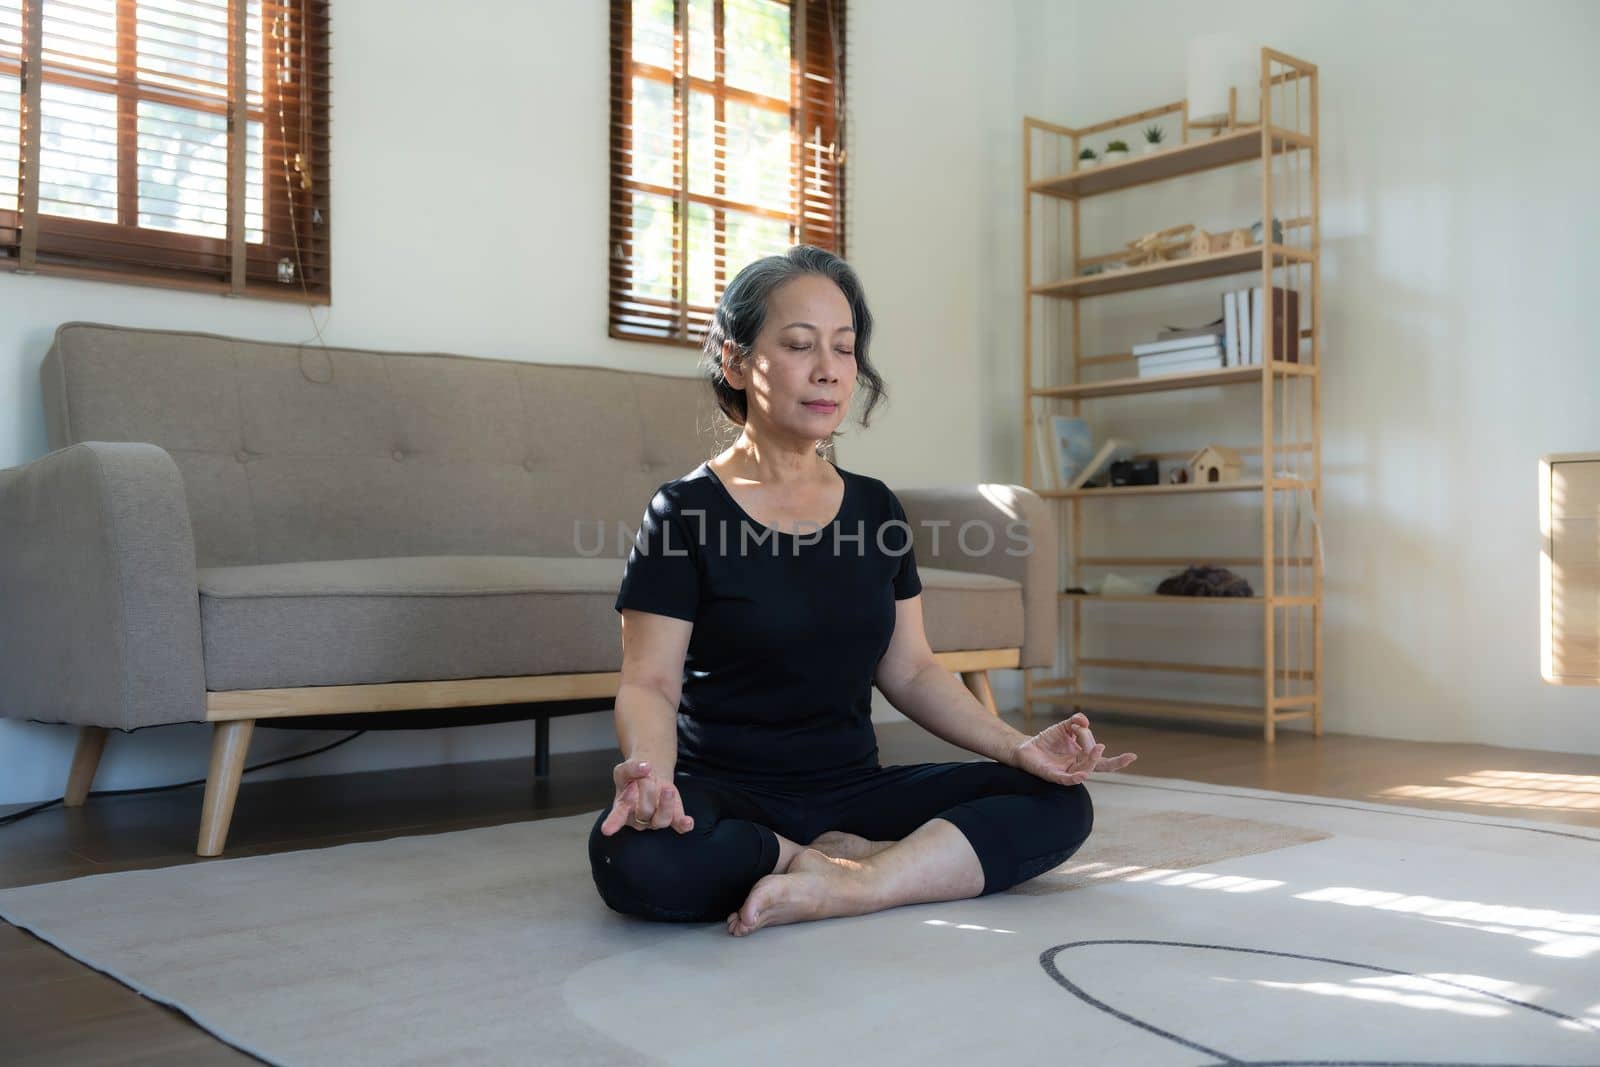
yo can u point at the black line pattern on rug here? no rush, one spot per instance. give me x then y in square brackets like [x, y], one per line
[1117, 779]
[1047, 960]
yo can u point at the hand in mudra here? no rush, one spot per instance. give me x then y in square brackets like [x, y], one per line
[1066, 752]
[644, 802]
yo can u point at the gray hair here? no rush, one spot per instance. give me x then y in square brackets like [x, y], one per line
[743, 310]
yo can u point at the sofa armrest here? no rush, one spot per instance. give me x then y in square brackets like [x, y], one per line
[99, 604]
[1024, 548]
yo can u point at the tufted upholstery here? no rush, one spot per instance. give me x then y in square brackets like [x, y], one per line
[291, 453]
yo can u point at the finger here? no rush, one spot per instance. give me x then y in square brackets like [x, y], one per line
[667, 803]
[1080, 719]
[666, 800]
[673, 811]
[649, 798]
[682, 822]
[1117, 763]
[621, 811]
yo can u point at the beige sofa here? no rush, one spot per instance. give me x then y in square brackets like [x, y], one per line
[231, 531]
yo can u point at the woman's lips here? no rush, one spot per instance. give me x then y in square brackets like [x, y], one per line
[825, 408]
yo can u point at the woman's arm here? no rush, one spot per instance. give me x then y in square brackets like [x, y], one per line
[653, 651]
[932, 697]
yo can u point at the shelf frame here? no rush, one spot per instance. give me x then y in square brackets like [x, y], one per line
[1178, 161]
[1285, 140]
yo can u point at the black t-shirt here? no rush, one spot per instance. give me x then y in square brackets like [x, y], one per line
[788, 629]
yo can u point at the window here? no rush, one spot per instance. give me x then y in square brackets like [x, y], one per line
[727, 144]
[171, 142]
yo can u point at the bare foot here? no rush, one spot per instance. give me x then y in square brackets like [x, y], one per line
[816, 886]
[843, 846]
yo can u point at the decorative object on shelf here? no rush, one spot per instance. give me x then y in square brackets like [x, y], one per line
[1179, 333]
[1072, 447]
[1205, 581]
[1224, 81]
[1087, 159]
[1115, 448]
[1116, 151]
[1158, 247]
[1178, 476]
[1044, 452]
[1153, 136]
[1135, 472]
[1214, 463]
[1277, 231]
[1205, 244]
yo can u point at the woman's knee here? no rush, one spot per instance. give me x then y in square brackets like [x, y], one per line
[658, 874]
[1067, 814]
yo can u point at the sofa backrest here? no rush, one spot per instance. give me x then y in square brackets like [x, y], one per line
[293, 452]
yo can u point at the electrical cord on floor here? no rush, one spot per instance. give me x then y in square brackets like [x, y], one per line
[18, 816]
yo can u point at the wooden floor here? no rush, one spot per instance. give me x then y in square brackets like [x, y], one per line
[54, 1010]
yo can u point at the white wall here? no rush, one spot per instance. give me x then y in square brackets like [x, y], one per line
[1457, 230]
[526, 206]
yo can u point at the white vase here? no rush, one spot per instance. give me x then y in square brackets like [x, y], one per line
[1114, 157]
[1085, 164]
[1149, 147]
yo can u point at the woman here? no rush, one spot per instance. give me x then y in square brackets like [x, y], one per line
[766, 593]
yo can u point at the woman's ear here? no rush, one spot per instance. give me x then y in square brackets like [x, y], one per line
[732, 365]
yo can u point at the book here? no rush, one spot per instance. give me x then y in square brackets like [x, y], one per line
[1152, 348]
[1044, 454]
[1114, 449]
[1210, 329]
[1285, 324]
[1241, 297]
[1180, 355]
[1230, 330]
[1188, 367]
[1072, 445]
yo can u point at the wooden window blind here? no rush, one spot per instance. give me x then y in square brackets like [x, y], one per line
[181, 143]
[727, 144]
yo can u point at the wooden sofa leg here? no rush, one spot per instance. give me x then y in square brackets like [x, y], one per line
[229, 743]
[978, 682]
[85, 761]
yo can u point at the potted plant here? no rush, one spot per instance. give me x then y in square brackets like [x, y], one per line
[1116, 151]
[1087, 159]
[1153, 136]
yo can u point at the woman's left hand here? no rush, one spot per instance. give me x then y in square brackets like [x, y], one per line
[1066, 752]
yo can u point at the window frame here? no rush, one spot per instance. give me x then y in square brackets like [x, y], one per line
[72, 247]
[621, 284]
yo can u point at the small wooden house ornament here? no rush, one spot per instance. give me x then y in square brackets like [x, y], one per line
[1206, 244]
[1214, 463]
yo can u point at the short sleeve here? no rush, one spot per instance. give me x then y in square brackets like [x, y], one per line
[663, 572]
[907, 583]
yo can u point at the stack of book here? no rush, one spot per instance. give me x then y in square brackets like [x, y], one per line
[1235, 340]
[1182, 351]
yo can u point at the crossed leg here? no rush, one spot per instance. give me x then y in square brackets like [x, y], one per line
[842, 874]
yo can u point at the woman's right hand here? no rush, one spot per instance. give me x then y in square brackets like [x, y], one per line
[644, 799]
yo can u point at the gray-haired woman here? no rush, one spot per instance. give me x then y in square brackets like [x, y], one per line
[767, 592]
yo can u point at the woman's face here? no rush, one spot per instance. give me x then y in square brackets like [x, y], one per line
[804, 352]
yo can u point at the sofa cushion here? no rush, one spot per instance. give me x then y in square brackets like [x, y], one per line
[423, 618]
[292, 452]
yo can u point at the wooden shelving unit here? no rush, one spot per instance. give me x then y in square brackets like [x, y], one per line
[1287, 438]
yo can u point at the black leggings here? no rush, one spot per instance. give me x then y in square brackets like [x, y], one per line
[1019, 825]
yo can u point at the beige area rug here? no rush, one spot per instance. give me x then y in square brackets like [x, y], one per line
[1199, 925]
